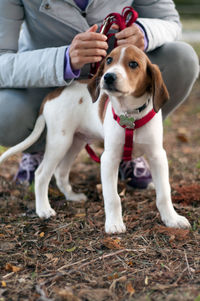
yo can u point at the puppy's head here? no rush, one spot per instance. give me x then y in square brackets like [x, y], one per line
[128, 71]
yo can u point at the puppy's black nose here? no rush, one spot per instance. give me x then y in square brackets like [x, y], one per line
[109, 78]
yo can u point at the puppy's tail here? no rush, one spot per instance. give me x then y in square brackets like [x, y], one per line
[33, 137]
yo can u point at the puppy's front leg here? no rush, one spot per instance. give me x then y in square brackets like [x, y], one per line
[159, 169]
[109, 176]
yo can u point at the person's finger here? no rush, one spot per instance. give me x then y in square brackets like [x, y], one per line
[94, 35]
[91, 44]
[79, 62]
[127, 32]
[86, 36]
[132, 40]
[115, 27]
[89, 52]
[93, 28]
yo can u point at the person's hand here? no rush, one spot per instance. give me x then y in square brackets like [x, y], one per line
[130, 35]
[87, 47]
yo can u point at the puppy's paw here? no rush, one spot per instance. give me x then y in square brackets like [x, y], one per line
[116, 227]
[76, 197]
[45, 212]
[177, 221]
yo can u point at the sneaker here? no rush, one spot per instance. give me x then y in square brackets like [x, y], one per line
[136, 173]
[27, 168]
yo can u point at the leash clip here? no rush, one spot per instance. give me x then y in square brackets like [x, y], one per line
[106, 22]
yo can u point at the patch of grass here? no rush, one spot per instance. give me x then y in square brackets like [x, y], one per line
[32, 187]
[198, 165]
[2, 149]
[191, 24]
[196, 46]
[197, 298]
[167, 122]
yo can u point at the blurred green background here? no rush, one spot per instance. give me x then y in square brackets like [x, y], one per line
[189, 11]
[188, 8]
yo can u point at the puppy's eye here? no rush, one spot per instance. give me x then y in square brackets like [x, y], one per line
[109, 60]
[133, 64]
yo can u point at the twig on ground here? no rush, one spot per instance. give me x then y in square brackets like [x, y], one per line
[188, 267]
[98, 258]
[43, 297]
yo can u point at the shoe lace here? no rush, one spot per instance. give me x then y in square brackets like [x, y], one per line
[30, 162]
[140, 169]
[137, 167]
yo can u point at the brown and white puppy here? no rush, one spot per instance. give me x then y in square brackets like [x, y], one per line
[131, 81]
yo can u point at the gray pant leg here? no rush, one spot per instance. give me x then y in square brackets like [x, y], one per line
[179, 65]
[18, 111]
[19, 107]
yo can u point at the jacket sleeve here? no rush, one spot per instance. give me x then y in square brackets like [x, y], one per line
[160, 20]
[35, 68]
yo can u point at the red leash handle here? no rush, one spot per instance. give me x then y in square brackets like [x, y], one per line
[127, 18]
[123, 20]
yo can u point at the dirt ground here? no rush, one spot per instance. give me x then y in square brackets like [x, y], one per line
[70, 257]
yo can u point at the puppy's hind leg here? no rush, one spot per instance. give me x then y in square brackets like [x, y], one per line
[63, 170]
[55, 151]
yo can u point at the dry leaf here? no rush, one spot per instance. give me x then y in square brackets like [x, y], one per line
[113, 276]
[67, 294]
[12, 268]
[146, 280]
[187, 194]
[112, 243]
[130, 263]
[16, 192]
[42, 234]
[55, 192]
[49, 256]
[123, 192]
[173, 233]
[3, 283]
[80, 215]
[182, 135]
[130, 289]
[172, 238]
[99, 188]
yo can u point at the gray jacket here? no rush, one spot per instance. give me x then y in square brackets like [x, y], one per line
[34, 35]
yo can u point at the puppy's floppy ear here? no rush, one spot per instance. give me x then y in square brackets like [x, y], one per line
[93, 85]
[159, 90]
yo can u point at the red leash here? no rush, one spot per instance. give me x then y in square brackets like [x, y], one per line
[123, 20]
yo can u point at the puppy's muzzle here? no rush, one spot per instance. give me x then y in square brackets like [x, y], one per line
[110, 81]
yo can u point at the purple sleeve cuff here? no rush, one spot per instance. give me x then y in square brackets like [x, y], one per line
[146, 43]
[68, 72]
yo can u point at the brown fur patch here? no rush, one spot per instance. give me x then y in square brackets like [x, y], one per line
[146, 77]
[159, 90]
[93, 85]
[138, 77]
[80, 100]
[55, 93]
[102, 107]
